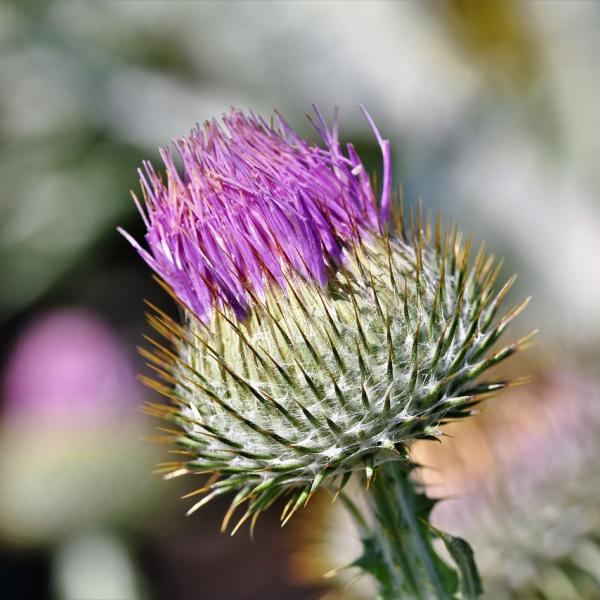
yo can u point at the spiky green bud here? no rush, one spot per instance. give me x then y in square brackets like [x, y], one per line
[321, 336]
[320, 382]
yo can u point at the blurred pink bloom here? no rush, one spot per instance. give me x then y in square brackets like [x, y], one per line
[68, 369]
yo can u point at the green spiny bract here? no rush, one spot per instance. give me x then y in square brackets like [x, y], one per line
[320, 382]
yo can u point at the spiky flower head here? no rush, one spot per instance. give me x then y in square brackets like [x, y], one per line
[322, 334]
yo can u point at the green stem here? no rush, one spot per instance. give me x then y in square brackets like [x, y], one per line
[405, 494]
[392, 542]
[398, 543]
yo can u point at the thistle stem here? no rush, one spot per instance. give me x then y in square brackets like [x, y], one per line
[398, 548]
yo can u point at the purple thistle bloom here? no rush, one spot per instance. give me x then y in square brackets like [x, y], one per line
[255, 202]
[317, 384]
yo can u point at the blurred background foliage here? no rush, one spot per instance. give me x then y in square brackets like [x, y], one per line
[492, 112]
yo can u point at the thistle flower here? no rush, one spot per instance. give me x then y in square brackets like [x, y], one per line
[254, 205]
[323, 331]
[68, 417]
[68, 371]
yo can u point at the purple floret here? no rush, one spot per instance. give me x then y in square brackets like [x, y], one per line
[252, 204]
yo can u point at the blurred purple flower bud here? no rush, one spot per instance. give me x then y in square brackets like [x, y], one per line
[68, 369]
